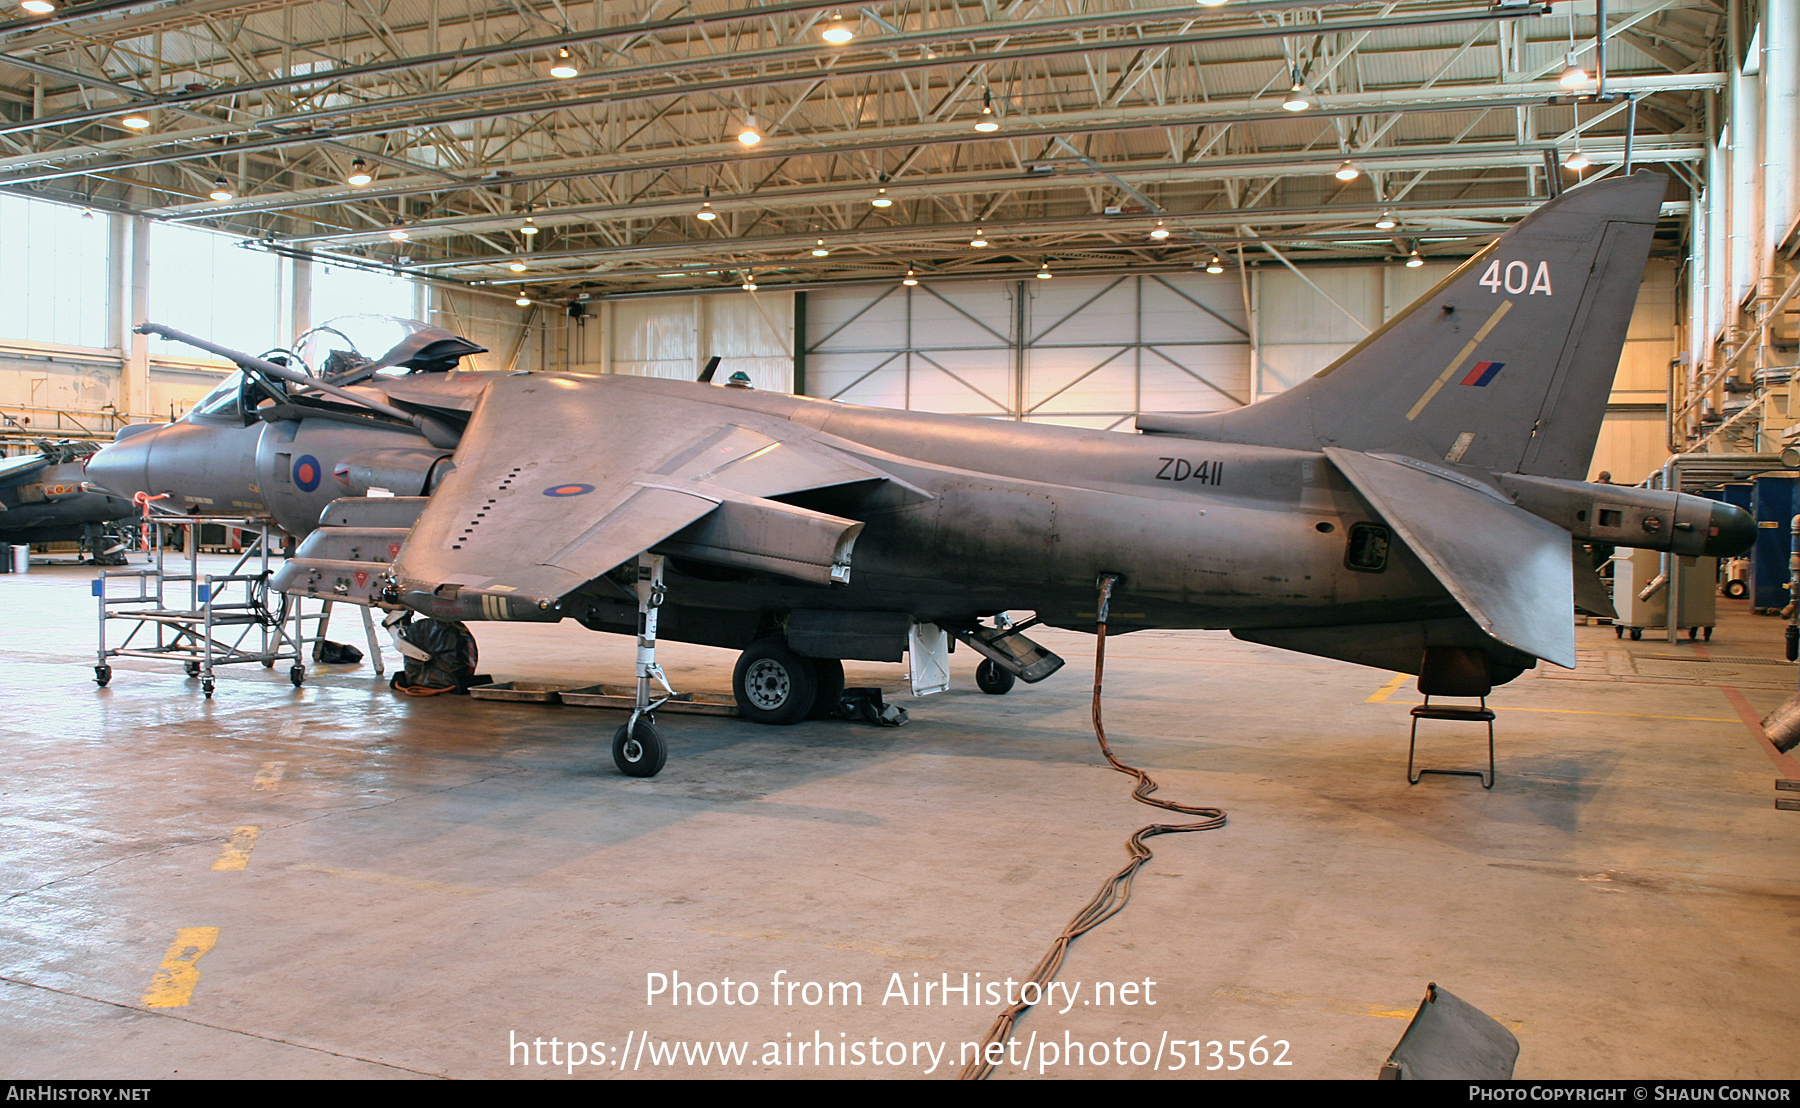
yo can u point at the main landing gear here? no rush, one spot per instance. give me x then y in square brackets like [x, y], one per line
[774, 685]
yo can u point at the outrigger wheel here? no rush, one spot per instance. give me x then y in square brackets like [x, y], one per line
[990, 678]
[638, 749]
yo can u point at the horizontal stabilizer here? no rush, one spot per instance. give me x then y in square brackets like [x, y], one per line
[1509, 569]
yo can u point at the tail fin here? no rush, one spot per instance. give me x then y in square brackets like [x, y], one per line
[1506, 364]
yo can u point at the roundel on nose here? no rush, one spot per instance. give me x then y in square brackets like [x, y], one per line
[307, 472]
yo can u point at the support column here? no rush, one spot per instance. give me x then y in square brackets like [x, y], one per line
[1781, 122]
[134, 387]
[300, 298]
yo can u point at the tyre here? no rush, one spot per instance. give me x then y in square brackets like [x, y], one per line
[1737, 590]
[641, 752]
[193, 669]
[773, 684]
[990, 678]
[830, 675]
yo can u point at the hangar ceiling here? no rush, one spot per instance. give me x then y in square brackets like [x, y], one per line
[1113, 120]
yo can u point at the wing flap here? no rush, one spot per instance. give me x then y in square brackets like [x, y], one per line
[1506, 567]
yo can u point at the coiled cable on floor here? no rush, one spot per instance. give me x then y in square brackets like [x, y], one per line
[1114, 894]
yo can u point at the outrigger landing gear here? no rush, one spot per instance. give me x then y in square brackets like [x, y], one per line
[638, 748]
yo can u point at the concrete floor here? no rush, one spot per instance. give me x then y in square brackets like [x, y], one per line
[432, 879]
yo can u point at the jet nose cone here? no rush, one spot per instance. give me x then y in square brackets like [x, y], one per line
[1730, 532]
[122, 467]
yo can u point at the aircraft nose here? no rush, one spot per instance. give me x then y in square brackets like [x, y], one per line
[1730, 532]
[122, 468]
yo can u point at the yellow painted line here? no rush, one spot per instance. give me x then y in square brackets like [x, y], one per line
[1585, 712]
[269, 775]
[799, 940]
[395, 879]
[1326, 1003]
[235, 854]
[1387, 690]
[1461, 357]
[173, 985]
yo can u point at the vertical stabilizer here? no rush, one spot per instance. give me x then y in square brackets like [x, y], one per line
[1505, 365]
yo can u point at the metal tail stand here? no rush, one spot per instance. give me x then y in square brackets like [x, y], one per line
[318, 643]
[638, 748]
[206, 620]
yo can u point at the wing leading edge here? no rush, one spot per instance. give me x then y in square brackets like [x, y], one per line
[560, 478]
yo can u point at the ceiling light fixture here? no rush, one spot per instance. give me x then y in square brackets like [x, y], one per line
[749, 284]
[529, 227]
[1347, 172]
[135, 121]
[750, 136]
[1215, 266]
[1576, 160]
[38, 7]
[517, 267]
[564, 65]
[1044, 273]
[220, 190]
[523, 302]
[881, 200]
[398, 231]
[1413, 261]
[359, 174]
[819, 251]
[1572, 73]
[987, 122]
[706, 214]
[1159, 232]
[1386, 222]
[837, 33]
[909, 279]
[978, 241]
[1214, 3]
[1299, 97]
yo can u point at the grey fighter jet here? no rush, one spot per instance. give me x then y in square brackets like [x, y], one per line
[1416, 499]
[43, 499]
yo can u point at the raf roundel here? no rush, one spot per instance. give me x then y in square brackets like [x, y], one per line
[307, 472]
[568, 490]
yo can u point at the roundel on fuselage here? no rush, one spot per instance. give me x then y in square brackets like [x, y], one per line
[307, 472]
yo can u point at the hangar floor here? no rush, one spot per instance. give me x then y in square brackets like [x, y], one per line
[433, 880]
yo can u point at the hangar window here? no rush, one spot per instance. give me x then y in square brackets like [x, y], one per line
[204, 283]
[1368, 549]
[53, 287]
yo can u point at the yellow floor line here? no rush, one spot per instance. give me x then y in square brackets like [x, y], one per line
[235, 854]
[269, 775]
[173, 985]
[1582, 712]
[1387, 690]
[786, 937]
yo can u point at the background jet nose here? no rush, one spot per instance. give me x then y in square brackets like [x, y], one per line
[1731, 531]
[123, 467]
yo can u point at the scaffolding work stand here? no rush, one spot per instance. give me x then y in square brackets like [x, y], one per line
[170, 610]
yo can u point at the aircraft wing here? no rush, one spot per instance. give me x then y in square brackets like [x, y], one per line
[1509, 569]
[560, 478]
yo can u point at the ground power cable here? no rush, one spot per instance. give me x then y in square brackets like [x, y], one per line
[1116, 892]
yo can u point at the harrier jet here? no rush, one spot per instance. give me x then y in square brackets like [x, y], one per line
[1421, 492]
[42, 500]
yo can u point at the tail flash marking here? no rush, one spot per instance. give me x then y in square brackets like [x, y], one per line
[1483, 373]
[1461, 357]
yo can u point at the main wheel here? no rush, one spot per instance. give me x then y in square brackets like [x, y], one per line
[830, 674]
[639, 751]
[773, 684]
[990, 678]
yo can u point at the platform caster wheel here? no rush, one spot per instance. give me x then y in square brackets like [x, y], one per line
[1708, 634]
[269, 663]
[773, 684]
[1618, 632]
[990, 678]
[639, 751]
[206, 687]
[193, 669]
[1693, 633]
[102, 674]
[297, 675]
[1637, 633]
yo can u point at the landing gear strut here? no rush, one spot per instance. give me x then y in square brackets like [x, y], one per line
[638, 748]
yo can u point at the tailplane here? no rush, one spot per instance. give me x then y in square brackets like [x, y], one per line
[1505, 365]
